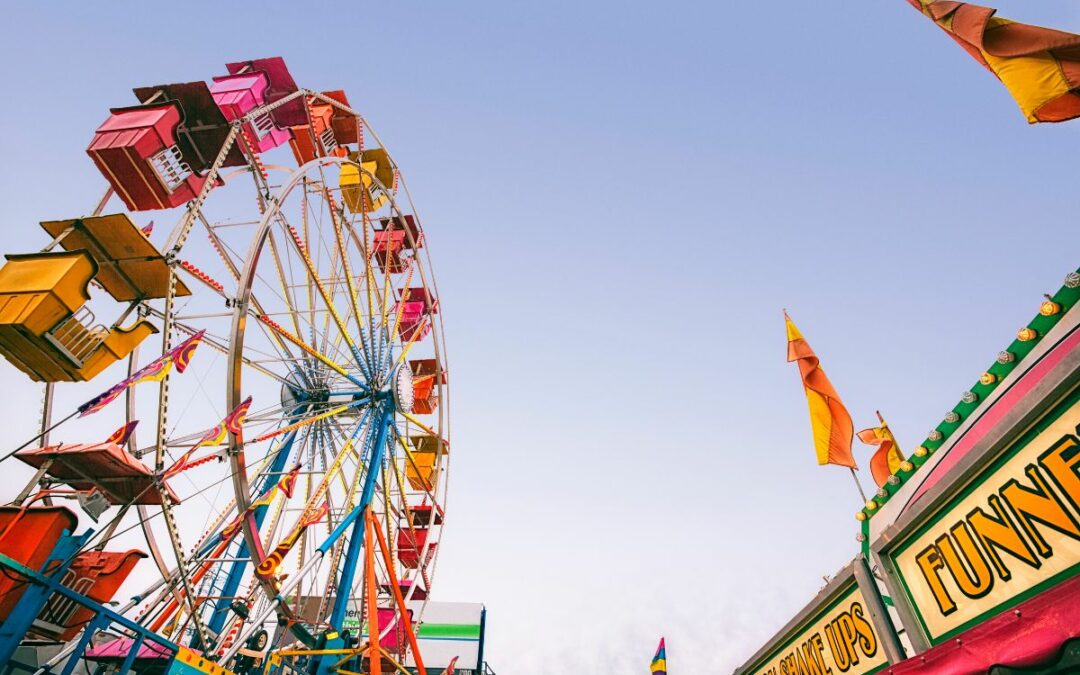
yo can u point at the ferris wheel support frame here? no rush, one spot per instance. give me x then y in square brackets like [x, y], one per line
[356, 539]
[236, 571]
[177, 581]
[174, 244]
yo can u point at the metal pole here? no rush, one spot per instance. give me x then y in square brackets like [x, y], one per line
[46, 414]
[41, 435]
[858, 485]
[879, 614]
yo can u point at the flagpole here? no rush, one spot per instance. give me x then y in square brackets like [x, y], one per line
[41, 435]
[858, 485]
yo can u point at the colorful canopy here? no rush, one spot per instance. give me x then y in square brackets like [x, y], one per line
[1029, 636]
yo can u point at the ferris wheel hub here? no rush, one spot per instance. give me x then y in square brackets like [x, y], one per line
[404, 394]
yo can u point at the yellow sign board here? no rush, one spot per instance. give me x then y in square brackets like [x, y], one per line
[840, 639]
[1013, 532]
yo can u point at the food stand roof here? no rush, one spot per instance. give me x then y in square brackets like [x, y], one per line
[1033, 342]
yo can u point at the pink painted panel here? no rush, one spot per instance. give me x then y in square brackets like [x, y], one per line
[999, 410]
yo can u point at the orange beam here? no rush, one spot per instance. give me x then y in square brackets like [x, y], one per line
[398, 598]
[370, 590]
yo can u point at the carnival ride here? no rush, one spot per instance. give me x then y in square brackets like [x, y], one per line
[291, 490]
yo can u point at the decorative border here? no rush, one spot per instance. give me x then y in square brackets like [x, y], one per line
[1050, 313]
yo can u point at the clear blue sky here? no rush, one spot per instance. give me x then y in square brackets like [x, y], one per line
[620, 198]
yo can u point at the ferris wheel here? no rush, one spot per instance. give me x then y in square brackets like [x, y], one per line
[284, 436]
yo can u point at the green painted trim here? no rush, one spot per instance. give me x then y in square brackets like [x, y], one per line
[449, 630]
[939, 515]
[1066, 297]
[458, 631]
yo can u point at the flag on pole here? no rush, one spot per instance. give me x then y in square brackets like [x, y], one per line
[829, 419]
[659, 661]
[153, 371]
[148, 229]
[182, 354]
[121, 435]
[233, 422]
[887, 458]
[103, 399]
[1039, 66]
[315, 516]
[450, 666]
[286, 486]
[267, 569]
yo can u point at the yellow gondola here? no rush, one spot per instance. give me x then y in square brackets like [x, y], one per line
[46, 330]
[357, 186]
[426, 450]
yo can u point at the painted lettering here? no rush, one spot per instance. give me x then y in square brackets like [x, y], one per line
[965, 561]
[998, 533]
[867, 640]
[930, 564]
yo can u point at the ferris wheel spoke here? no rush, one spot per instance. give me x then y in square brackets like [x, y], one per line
[313, 277]
[388, 267]
[311, 351]
[333, 278]
[286, 293]
[366, 334]
[320, 248]
[350, 288]
[229, 257]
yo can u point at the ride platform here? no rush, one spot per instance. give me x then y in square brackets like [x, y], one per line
[106, 467]
[426, 375]
[45, 525]
[281, 85]
[137, 151]
[425, 451]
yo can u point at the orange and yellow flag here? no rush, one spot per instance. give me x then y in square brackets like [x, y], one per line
[887, 458]
[829, 419]
[1039, 66]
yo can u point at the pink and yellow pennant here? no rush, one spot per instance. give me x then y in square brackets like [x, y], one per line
[121, 435]
[268, 568]
[155, 371]
[233, 423]
[286, 486]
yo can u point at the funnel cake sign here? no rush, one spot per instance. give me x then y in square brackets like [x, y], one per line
[1013, 532]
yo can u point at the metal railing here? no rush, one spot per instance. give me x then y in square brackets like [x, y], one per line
[328, 140]
[76, 338]
[170, 167]
[264, 124]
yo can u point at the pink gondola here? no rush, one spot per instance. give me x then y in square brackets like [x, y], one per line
[416, 304]
[237, 95]
[137, 151]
